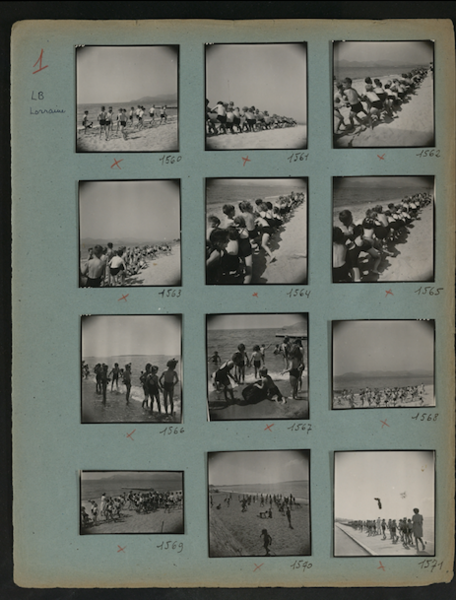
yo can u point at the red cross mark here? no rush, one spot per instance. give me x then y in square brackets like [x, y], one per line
[382, 157]
[381, 566]
[255, 295]
[123, 297]
[116, 163]
[247, 159]
[120, 548]
[40, 60]
[384, 422]
[388, 292]
[257, 566]
[269, 426]
[130, 434]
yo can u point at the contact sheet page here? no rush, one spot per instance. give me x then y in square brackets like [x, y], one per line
[233, 307]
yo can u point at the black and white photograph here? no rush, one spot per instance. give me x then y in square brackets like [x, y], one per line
[383, 94]
[256, 231]
[383, 364]
[256, 96]
[257, 366]
[259, 503]
[383, 229]
[131, 369]
[384, 503]
[127, 98]
[129, 233]
[126, 502]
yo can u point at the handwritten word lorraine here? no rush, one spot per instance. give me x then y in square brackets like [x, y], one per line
[429, 153]
[46, 111]
[297, 156]
[293, 293]
[430, 417]
[172, 430]
[301, 564]
[428, 290]
[170, 293]
[307, 427]
[173, 546]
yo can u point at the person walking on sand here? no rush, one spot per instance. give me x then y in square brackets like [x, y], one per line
[417, 528]
[267, 541]
[288, 513]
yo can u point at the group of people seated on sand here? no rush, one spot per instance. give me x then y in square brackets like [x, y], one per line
[377, 397]
[141, 502]
[225, 117]
[404, 530]
[115, 125]
[263, 387]
[106, 267]
[377, 102]
[151, 383]
[371, 238]
[230, 245]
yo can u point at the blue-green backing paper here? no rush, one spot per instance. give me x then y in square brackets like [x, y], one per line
[51, 445]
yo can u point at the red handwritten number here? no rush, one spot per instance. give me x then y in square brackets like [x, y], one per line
[40, 60]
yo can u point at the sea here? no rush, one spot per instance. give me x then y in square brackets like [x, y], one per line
[390, 381]
[226, 343]
[299, 489]
[115, 408]
[230, 191]
[94, 111]
[92, 489]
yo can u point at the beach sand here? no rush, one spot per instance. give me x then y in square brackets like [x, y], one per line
[265, 409]
[413, 258]
[428, 397]
[289, 245]
[414, 126]
[133, 522]
[234, 533]
[160, 138]
[165, 270]
[293, 138]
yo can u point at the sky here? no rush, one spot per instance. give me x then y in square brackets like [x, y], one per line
[359, 477]
[272, 466]
[361, 346]
[107, 74]
[134, 475]
[403, 53]
[255, 321]
[114, 335]
[271, 77]
[142, 211]
[414, 183]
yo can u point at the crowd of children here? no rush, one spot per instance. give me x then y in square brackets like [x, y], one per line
[409, 532]
[227, 118]
[153, 386]
[110, 507]
[395, 397]
[264, 387]
[373, 238]
[230, 245]
[119, 125]
[377, 102]
[109, 267]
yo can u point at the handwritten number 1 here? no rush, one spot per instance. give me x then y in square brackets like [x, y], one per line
[40, 60]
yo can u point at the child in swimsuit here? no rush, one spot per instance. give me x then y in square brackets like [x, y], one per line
[256, 360]
[127, 382]
[168, 380]
[267, 540]
[355, 102]
[85, 121]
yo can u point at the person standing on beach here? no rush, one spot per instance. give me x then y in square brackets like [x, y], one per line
[163, 115]
[288, 513]
[127, 381]
[95, 268]
[168, 380]
[102, 122]
[417, 528]
[267, 541]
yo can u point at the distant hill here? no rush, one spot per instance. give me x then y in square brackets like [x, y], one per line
[168, 99]
[377, 63]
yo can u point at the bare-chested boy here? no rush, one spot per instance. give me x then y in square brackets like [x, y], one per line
[95, 268]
